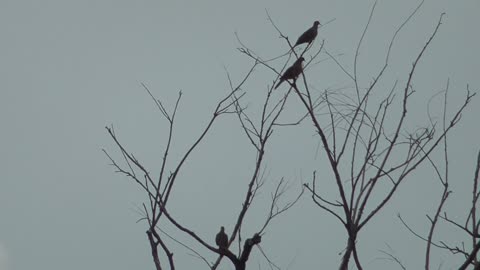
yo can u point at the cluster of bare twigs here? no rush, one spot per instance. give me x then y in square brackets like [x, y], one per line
[471, 226]
[158, 189]
[364, 140]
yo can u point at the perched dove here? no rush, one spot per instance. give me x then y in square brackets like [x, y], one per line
[292, 72]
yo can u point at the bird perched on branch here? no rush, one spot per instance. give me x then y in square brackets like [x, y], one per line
[309, 35]
[292, 72]
[222, 239]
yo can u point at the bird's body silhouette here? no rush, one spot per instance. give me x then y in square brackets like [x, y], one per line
[292, 72]
[222, 239]
[309, 35]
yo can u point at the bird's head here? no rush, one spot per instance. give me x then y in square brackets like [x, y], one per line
[316, 23]
[299, 61]
[222, 228]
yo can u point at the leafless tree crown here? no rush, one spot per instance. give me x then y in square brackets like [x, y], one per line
[365, 138]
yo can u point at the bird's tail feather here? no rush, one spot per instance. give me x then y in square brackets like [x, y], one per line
[278, 84]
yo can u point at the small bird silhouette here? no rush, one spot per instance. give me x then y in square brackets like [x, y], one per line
[309, 35]
[222, 239]
[292, 72]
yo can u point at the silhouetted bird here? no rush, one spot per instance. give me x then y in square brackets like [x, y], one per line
[222, 239]
[292, 72]
[309, 35]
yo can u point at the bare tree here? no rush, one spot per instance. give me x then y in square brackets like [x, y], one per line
[366, 140]
[365, 136]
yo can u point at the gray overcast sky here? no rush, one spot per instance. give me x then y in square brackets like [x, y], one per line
[68, 68]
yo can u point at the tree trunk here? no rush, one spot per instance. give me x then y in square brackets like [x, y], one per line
[240, 265]
[348, 254]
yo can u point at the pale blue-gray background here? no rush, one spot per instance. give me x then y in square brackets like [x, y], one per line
[68, 68]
